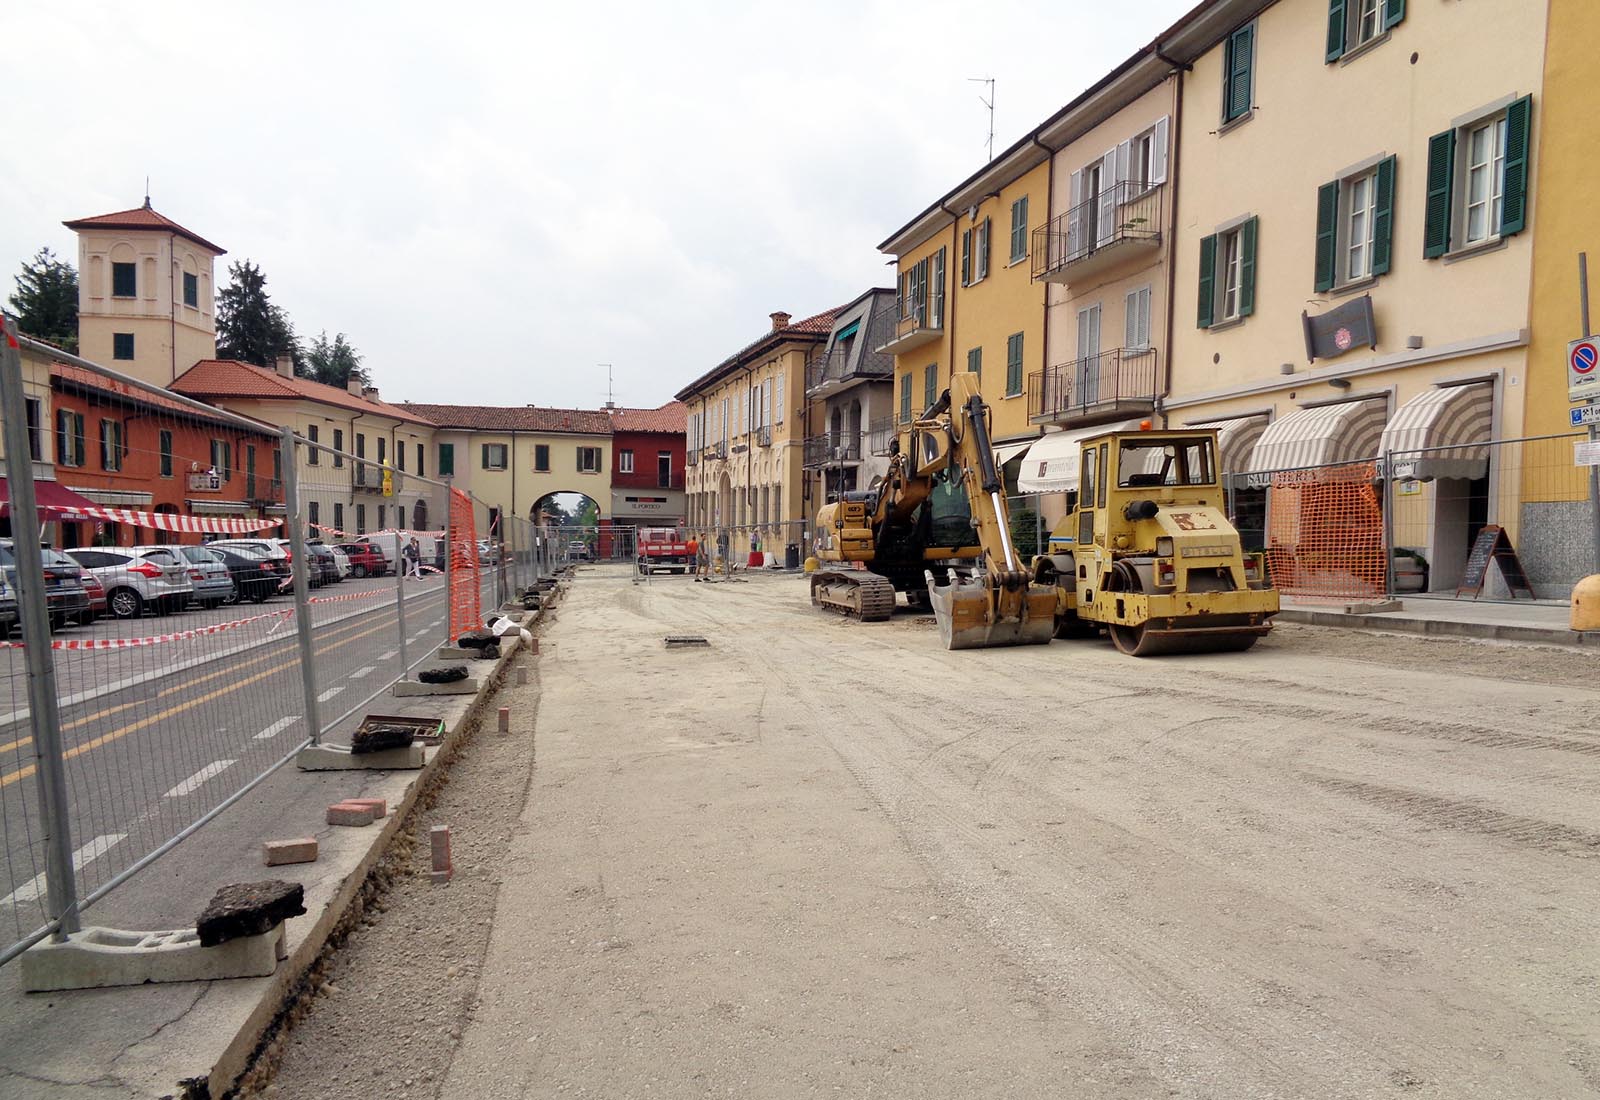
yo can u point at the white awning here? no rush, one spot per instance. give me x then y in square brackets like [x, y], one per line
[116, 498]
[1324, 435]
[1236, 439]
[218, 507]
[1005, 452]
[1442, 432]
[1051, 464]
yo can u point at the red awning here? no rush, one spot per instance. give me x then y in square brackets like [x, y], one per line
[54, 500]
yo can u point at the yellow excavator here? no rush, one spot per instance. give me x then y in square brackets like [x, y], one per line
[936, 523]
[1145, 552]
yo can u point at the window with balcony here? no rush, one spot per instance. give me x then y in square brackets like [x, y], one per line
[1353, 24]
[625, 462]
[1136, 319]
[1477, 186]
[124, 280]
[222, 458]
[1227, 289]
[494, 456]
[1355, 226]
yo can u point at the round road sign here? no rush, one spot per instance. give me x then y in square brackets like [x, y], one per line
[1585, 356]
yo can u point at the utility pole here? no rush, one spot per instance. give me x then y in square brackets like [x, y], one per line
[1594, 429]
[988, 82]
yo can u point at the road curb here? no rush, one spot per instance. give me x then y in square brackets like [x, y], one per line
[307, 945]
[1441, 628]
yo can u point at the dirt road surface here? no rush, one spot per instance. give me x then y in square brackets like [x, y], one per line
[826, 858]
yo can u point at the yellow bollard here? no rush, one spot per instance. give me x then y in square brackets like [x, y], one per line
[811, 565]
[1586, 604]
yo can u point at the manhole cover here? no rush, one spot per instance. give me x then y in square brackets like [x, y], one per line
[683, 641]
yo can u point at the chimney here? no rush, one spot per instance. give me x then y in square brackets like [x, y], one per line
[353, 384]
[286, 366]
[371, 393]
[779, 320]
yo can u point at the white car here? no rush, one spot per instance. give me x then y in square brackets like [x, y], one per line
[157, 579]
[342, 560]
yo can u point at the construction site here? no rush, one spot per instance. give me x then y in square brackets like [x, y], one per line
[817, 856]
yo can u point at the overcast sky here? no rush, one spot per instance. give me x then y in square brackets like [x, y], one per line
[493, 200]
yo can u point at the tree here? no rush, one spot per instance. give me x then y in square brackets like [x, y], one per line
[46, 301]
[250, 327]
[334, 362]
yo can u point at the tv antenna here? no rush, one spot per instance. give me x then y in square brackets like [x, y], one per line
[988, 81]
[611, 402]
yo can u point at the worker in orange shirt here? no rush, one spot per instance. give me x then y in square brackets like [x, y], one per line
[694, 556]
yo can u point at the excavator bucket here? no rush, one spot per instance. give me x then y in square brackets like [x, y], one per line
[965, 612]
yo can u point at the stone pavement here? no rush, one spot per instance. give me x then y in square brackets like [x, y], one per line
[1544, 621]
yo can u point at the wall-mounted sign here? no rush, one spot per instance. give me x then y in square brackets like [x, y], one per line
[204, 481]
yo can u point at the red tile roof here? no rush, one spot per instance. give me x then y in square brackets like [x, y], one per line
[671, 418]
[222, 378]
[808, 330]
[69, 376]
[142, 217]
[513, 418]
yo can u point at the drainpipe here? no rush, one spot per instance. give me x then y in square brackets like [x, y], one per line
[354, 465]
[1172, 218]
[172, 302]
[1044, 330]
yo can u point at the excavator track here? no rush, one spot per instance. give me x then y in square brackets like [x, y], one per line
[859, 594]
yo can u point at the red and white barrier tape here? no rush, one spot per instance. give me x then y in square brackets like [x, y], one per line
[154, 639]
[367, 595]
[371, 535]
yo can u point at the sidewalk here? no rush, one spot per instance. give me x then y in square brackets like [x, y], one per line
[1542, 621]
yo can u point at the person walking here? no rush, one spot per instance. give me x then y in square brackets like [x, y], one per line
[694, 556]
[414, 558]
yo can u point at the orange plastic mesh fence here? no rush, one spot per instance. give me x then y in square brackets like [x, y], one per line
[1325, 533]
[466, 613]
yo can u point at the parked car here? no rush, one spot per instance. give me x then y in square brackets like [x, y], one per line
[65, 597]
[488, 552]
[9, 613]
[97, 598]
[134, 583]
[578, 551]
[209, 576]
[366, 559]
[323, 569]
[270, 549]
[255, 577]
[384, 544]
[341, 559]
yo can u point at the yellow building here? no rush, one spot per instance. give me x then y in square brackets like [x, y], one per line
[1556, 491]
[747, 426]
[1353, 251]
[966, 296]
[145, 294]
[512, 458]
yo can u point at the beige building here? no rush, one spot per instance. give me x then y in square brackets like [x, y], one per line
[360, 436]
[146, 290]
[1352, 267]
[746, 435]
[512, 458]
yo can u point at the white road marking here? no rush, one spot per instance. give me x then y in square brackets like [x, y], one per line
[330, 693]
[386, 656]
[277, 727]
[216, 767]
[362, 671]
[33, 890]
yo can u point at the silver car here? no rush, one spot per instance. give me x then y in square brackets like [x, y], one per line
[156, 580]
[213, 584]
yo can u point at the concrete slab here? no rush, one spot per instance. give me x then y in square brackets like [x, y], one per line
[99, 957]
[1545, 621]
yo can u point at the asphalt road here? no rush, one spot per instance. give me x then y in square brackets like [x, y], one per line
[189, 729]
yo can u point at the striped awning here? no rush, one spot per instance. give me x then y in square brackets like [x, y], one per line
[1236, 439]
[1051, 464]
[218, 507]
[1323, 435]
[1442, 432]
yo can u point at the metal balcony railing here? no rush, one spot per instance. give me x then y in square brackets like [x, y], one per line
[764, 436]
[918, 325]
[369, 476]
[880, 434]
[1123, 214]
[692, 457]
[1109, 386]
[861, 357]
[718, 449]
[828, 450]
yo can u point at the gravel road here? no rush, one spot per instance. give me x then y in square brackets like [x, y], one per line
[820, 857]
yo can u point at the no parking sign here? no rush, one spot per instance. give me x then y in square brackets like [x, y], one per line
[1583, 369]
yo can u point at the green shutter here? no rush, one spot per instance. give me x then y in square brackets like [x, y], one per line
[1327, 235]
[1514, 210]
[1208, 280]
[1014, 364]
[1383, 218]
[1247, 268]
[966, 257]
[1239, 72]
[975, 362]
[1336, 28]
[1436, 211]
[1393, 12]
[905, 399]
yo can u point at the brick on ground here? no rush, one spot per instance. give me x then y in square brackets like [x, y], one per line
[303, 849]
[344, 813]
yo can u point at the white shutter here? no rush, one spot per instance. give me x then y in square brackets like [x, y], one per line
[1108, 197]
[1075, 217]
[1124, 163]
[766, 403]
[782, 397]
[1130, 321]
[1158, 154]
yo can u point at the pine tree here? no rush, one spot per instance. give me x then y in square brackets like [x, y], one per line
[250, 328]
[46, 301]
[334, 362]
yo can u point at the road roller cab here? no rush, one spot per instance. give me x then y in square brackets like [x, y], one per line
[1148, 552]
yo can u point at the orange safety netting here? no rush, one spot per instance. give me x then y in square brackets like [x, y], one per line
[1325, 533]
[466, 613]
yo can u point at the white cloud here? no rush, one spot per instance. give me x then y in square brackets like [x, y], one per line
[493, 199]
